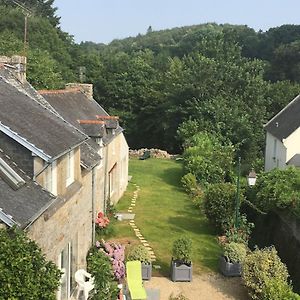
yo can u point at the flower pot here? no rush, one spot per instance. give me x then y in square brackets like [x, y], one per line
[181, 271]
[146, 271]
[229, 269]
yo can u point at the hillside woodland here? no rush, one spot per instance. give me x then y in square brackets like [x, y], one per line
[222, 79]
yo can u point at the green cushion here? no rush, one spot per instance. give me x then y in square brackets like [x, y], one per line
[134, 280]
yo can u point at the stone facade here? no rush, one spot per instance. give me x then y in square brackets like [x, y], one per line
[116, 169]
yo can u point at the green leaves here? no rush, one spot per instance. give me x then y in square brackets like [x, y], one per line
[100, 267]
[25, 273]
[207, 158]
[279, 189]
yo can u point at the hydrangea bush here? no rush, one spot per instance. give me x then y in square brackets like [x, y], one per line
[116, 254]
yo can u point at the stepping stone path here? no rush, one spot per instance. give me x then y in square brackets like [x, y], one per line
[135, 228]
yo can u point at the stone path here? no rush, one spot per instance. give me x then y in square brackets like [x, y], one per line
[135, 228]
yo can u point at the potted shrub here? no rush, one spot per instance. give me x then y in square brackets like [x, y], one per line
[181, 264]
[142, 254]
[230, 261]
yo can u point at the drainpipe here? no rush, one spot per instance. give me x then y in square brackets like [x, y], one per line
[105, 176]
[93, 205]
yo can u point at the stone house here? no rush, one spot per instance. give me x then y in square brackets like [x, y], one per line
[76, 105]
[283, 137]
[52, 181]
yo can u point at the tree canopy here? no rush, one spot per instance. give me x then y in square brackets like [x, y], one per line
[228, 79]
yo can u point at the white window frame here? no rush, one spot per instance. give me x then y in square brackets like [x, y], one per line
[66, 271]
[70, 168]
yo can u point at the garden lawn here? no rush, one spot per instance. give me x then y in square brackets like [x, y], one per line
[164, 213]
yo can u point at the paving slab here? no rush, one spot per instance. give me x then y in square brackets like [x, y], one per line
[125, 216]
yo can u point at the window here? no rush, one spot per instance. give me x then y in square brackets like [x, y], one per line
[50, 178]
[70, 168]
[66, 263]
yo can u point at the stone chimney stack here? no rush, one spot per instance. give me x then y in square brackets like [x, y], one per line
[86, 88]
[17, 64]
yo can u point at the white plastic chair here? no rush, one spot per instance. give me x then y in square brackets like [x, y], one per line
[82, 284]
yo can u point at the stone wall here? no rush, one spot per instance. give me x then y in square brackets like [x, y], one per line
[116, 168]
[283, 231]
[156, 153]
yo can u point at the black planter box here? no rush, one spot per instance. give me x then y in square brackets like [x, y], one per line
[146, 271]
[181, 272]
[229, 269]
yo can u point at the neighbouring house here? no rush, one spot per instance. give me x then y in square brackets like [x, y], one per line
[76, 105]
[52, 181]
[283, 137]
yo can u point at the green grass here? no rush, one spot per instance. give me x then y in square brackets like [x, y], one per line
[164, 213]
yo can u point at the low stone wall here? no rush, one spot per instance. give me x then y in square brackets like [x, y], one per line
[156, 153]
[283, 231]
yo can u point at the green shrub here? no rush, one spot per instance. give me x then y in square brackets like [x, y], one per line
[182, 249]
[140, 253]
[258, 267]
[235, 252]
[279, 189]
[192, 188]
[99, 265]
[219, 204]
[189, 183]
[240, 234]
[24, 271]
[208, 158]
[278, 290]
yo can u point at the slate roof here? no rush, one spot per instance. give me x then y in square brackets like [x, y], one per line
[286, 121]
[31, 123]
[26, 203]
[89, 154]
[294, 161]
[74, 106]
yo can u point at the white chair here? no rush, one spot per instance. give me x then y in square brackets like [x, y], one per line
[82, 284]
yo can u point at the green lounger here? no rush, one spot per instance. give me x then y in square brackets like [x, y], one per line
[134, 280]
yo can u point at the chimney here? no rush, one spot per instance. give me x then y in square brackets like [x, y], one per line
[86, 88]
[17, 64]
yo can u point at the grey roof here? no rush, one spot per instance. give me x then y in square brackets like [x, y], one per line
[74, 105]
[25, 204]
[286, 121]
[24, 87]
[89, 154]
[294, 161]
[34, 125]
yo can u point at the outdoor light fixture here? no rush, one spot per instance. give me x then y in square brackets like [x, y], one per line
[251, 178]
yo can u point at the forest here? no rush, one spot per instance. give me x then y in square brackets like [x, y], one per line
[225, 80]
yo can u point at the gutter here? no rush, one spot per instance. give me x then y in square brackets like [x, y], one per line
[93, 206]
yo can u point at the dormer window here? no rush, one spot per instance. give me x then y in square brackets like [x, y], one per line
[50, 178]
[70, 168]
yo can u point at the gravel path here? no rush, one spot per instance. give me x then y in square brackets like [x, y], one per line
[204, 287]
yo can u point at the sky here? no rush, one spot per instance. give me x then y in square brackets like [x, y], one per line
[103, 21]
